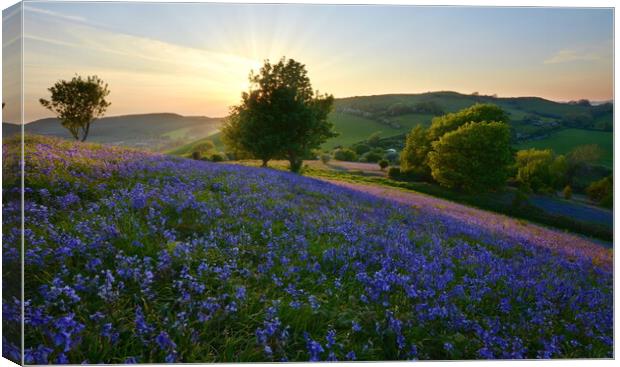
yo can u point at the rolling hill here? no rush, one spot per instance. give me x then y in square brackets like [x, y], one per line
[531, 117]
[535, 121]
[153, 259]
[156, 132]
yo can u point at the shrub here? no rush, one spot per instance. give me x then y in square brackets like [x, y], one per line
[372, 157]
[374, 139]
[361, 148]
[601, 191]
[567, 192]
[345, 154]
[217, 157]
[394, 173]
[540, 170]
[325, 158]
[392, 157]
[383, 164]
[196, 155]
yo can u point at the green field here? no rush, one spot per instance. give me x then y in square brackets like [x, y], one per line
[565, 140]
[353, 129]
[186, 150]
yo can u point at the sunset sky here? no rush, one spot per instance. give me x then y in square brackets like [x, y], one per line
[194, 59]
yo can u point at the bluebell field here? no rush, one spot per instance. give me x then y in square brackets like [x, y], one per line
[134, 257]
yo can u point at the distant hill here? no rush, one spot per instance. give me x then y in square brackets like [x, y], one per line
[394, 115]
[157, 131]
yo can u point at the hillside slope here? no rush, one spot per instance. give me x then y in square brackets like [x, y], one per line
[532, 119]
[156, 131]
[178, 260]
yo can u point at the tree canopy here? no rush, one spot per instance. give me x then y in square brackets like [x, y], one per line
[281, 116]
[474, 157]
[476, 113]
[414, 156]
[77, 103]
[540, 170]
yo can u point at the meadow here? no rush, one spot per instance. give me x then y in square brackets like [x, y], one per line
[565, 140]
[140, 257]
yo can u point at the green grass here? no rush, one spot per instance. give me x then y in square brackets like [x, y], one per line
[186, 150]
[410, 121]
[563, 141]
[353, 129]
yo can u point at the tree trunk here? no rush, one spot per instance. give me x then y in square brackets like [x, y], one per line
[294, 163]
[86, 131]
[264, 164]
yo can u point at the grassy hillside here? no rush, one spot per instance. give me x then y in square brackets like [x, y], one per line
[530, 117]
[564, 141]
[156, 132]
[187, 149]
[140, 257]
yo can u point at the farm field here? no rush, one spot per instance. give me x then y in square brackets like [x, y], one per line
[565, 140]
[179, 260]
[352, 129]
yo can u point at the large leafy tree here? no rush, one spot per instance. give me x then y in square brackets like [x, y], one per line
[474, 157]
[77, 103]
[281, 116]
[476, 113]
[414, 156]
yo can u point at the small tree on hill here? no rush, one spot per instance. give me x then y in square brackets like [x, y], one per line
[77, 103]
[475, 157]
[280, 116]
[383, 164]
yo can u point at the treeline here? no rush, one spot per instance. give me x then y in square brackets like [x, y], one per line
[470, 151]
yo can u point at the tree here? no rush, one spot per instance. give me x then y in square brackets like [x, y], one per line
[383, 164]
[540, 170]
[280, 116]
[373, 156]
[476, 113]
[77, 103]
[345, 154]
[601, 191]
[414, 154]
[475, 157]
[581, 158]
[374, 138]
[325, 158]
[567, 192]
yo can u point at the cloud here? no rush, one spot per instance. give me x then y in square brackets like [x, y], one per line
[593, 52]
[564, 56]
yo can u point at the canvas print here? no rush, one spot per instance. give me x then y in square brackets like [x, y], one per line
[229, 182]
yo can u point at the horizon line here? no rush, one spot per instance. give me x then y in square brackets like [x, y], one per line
[602, 101]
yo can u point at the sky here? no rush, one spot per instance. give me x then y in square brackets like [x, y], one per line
[194, 59]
